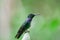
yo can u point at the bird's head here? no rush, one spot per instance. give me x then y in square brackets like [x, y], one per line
[32, 15]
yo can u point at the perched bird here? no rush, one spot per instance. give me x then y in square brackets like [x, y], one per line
[25, 25]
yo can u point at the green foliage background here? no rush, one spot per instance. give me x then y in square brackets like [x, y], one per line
[44, 27]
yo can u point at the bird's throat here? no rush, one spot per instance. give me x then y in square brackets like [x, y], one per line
[29, 19]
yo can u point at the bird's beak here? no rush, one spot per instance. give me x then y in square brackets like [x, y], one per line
[37, 14]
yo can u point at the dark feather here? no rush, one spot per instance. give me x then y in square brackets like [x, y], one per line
[22, 29]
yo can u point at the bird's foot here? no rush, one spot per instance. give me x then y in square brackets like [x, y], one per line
[27, 31]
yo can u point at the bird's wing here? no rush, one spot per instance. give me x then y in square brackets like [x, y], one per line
[21, 30]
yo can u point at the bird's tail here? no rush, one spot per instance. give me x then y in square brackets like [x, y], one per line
[20, 32]
[18, 35]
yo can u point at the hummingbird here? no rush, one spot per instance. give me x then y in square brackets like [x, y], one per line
[25, 25]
